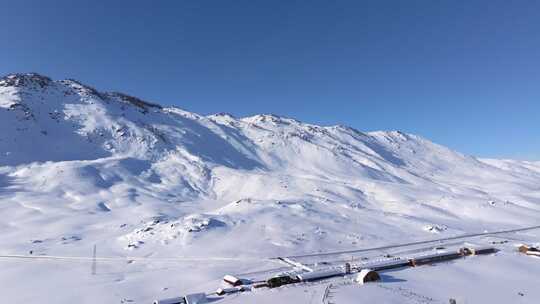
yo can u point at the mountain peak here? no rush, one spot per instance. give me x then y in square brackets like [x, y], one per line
[270, 118]
[25, 79]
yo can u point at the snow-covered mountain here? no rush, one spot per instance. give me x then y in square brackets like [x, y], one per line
[80, 167]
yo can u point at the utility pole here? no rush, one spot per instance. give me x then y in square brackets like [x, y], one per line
[94, 262]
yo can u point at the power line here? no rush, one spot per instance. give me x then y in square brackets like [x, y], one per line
[128, 259]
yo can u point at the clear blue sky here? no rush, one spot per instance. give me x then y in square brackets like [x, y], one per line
[465, 74]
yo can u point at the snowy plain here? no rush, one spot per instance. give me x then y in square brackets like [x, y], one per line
[173, 200]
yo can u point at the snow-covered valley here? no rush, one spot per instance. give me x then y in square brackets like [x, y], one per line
[174, 200]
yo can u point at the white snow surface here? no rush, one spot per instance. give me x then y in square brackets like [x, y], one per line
[174, 200]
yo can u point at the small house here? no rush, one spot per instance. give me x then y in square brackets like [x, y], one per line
[367, 275]
[232, 280]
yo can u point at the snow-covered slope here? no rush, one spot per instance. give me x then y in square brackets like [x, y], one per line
[80, 167]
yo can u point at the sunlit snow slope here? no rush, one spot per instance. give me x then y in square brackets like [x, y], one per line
[80, 167]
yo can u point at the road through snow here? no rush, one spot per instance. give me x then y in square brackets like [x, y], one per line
[464, 236]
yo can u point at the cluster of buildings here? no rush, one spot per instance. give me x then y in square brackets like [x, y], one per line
[363, 273]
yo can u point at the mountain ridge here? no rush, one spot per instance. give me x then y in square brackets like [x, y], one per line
[67, 115]
[36, 79]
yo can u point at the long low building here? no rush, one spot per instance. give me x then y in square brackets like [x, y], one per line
[321, 274]
[195, 298]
